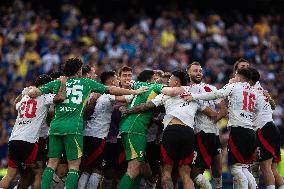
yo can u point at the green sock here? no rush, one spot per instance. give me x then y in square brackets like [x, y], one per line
[126, 182]
[47, 178]
[137, 181]
[72, 179]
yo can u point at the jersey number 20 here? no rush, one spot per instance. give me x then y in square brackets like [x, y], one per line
[28, 109]
[248, 102]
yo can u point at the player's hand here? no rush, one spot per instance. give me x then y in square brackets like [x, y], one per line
[62, 79]
[186, 96]
[94, 96]
[141, 90]
[34, 92]
[26, 90]
[123, 109]
[266, 94]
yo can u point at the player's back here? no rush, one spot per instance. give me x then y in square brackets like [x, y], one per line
[31, 115]
[242, 101]
[69, 114]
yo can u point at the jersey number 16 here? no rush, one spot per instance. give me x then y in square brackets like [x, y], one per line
[248, 101]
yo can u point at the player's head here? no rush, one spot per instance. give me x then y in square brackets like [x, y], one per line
[241, 63]
[109, 78]
[165, 77]
[89, 72]
[194, 71]
[73, 67]
[243, 74]
[146, 76]
[255, 76]
[55, 75]
[178, 78]
[125, 76]
[42, 79]
[158, 75]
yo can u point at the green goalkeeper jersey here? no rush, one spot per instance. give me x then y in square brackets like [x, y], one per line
[68, 118]
[138, 123]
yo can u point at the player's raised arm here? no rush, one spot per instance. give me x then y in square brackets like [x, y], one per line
[173, 91]
[120, 91]
[61, 95]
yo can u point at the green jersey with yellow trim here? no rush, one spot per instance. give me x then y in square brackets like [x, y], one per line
[68, 118]
[138, 123]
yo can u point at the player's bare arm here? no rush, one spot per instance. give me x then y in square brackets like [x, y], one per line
[137, 109]
[271, 101]
[173, 91]
[61, 96]
[89, 110]
[223, 110]
[120, 91]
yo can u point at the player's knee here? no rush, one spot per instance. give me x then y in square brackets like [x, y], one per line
[53, 163]
[74, 164]
[133, 169]
[184, 170]
[238, 175]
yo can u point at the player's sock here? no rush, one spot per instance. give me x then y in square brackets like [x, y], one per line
[240, 181]
[217, 182]
[47, 178]
[251, 181]
[107, 183]
[270, 187]
[83, 181]
[202, 182]
[72, 179]
[94, 181]
[126, 182]
[255, 171]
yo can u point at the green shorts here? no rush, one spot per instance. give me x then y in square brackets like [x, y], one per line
[135, 146]
[73, 145]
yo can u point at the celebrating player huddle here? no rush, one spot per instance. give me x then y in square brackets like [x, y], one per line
[147, 133]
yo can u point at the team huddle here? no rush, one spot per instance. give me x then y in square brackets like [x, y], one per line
[74, 132]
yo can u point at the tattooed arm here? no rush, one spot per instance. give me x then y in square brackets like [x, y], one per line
[137, 109]
[61, 96]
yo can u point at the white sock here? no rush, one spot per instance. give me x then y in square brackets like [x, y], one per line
[202, 182]
[270, 187]
[107, 183]
[281, 187]
[255, 171]
[251, 181]
[240, 180]
[94, 181]
[83, 181]
[217, 182]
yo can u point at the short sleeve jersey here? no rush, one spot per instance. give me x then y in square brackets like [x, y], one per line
[138, 123]
[31, 115]
[68, 117]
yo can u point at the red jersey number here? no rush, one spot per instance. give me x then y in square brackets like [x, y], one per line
[248, 101]
[28, 109]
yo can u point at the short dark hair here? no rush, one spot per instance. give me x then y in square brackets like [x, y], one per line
[182, 76]
[85, 70]
[193, 63]
[255, 76]
[124, 69]
[106, 76]
[42, 79]
[145, 75]
[55, 75]
[159, 72]
[238, 62]
[72, 66]
[245, 72]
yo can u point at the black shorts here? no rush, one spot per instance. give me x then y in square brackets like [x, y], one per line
[42, 150]
[207, 145]
[178, 145]
[269, 142]
[153, 155]
[114, 156]
[93, 149]
[241, 146]
[21, 154]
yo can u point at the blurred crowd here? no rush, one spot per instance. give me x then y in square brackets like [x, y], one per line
[34, 42]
